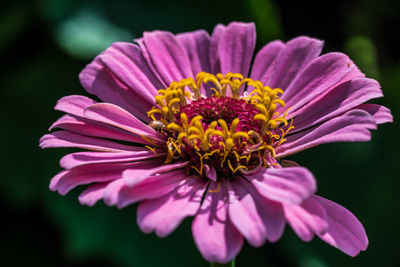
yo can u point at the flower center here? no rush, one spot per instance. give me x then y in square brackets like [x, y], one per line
[224, 133]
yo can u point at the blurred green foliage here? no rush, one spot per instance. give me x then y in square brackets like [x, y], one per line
[45, 43]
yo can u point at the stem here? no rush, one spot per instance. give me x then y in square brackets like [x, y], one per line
[229, 264]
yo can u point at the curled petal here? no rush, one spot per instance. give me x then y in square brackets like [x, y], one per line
[256, 217]
[213, 232]
[118, 117]
[306, 219]
[119, 194]
[64, 181]
[344, 231]
[92, 194]
[133, 177]
[353, 126]
[164, 214]
[74, 104]
[285, 185]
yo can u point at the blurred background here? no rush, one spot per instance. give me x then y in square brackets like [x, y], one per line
[44, 44]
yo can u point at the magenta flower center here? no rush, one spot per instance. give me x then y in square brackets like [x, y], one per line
[227, 108]
[224, 133]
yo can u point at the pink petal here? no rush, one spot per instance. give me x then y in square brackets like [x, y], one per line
[92, 194]
[74, 104]
[135, 176]
[126, 62]
[380, 113]
[345, 231]
[306, 219]
[82, 158]
[69, 139]
[340, 99]
[64, 181]
[286, 185]
[257, 218]
[118, 117]
[264, 61]
[166, 56]
[292, 59]
[320, 74]
[196, 45]
[236, 47]
[352, 126]
[89, 127]
[119, 194]
[99, 80]
[352, 74]
[164, 214]
[211, 173]
[216, 36]
[213, 232]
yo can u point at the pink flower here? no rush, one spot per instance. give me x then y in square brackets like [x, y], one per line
[176, 135]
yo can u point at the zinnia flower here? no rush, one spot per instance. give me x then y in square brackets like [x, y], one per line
[192, 125]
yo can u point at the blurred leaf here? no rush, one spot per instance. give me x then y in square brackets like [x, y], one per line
[267, 18]
[86, 34]
[362, 51]
[108, 233]
[309, 261]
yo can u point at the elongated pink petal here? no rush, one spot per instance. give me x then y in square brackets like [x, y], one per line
[82, 158]
[352, 126]
[126, 62]
[118, 117]
[99, 80]
[196, 45]
[344, 231]
[74, 104]
[92, 194]
[213, 232]
[236, 47]
[340, 99]
[320, 74]
[135, 176]
[64, 181]
[84, 126]
[257, 218]
[265, 60]
[164, 214]
[306, 219]
[286, 185]
[352, 74]
[217, 34]
[156, 186]
[166, 56]
[69, 139]
[380, 113]
[292, 59]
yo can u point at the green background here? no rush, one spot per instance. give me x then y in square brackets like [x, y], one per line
[44, 45]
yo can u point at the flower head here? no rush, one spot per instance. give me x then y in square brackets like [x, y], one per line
[186, 129]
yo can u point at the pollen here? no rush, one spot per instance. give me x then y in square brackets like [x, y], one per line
[225, 133]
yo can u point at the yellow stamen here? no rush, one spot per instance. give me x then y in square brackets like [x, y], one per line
[216, 190]
[219, 143]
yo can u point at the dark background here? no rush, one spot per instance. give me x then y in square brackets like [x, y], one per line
[43, 46]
